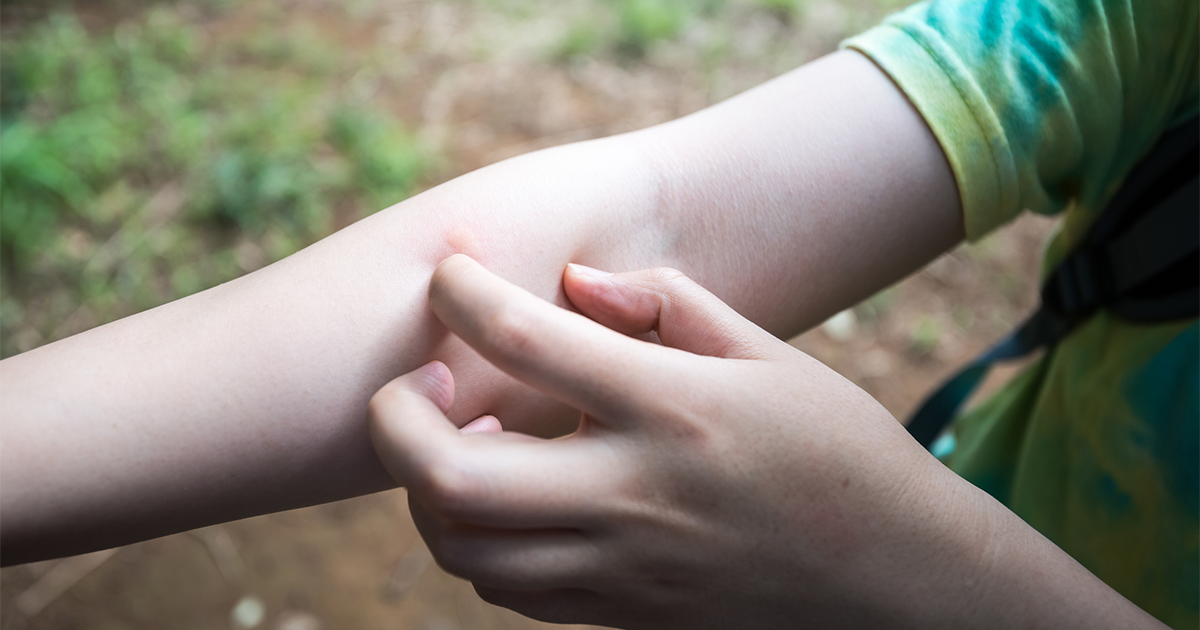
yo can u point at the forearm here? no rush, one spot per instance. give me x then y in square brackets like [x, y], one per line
[250, 397]
[977, 564]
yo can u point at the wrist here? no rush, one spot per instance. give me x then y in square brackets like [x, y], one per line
[981, 566]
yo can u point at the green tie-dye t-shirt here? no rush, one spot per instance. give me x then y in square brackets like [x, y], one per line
[1046, 107]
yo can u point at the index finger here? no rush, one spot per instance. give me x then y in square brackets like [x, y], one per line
[563, 354]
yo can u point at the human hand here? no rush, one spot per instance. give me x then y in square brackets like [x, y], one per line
[721, 479]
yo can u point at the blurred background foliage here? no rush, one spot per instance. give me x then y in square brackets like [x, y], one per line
[145, 162]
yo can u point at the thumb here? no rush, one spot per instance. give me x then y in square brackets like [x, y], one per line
[407, 422]
[684, 314]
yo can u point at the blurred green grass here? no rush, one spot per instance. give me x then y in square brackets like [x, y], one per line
[136, 161]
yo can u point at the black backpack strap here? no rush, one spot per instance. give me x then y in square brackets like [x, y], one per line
[1140, 260]
[1156, 242]
[1041, 330]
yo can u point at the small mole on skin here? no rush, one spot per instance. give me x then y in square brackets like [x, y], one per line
[846, 482]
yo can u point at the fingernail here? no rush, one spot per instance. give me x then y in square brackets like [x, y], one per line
[588, 271]
[482, 424]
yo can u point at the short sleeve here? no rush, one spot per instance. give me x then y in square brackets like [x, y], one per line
[1041, 105]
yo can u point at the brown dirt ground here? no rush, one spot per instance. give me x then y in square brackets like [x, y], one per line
[360, 563]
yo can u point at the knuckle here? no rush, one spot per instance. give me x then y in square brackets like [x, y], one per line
[669, 277]
[672, 284]
[452, 489]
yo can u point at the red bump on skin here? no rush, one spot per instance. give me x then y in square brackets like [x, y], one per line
[462, 241]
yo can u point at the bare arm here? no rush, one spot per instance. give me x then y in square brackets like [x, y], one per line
[790, 202]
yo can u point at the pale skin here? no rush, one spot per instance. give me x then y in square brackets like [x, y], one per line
[791, 201]
[722, 479]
